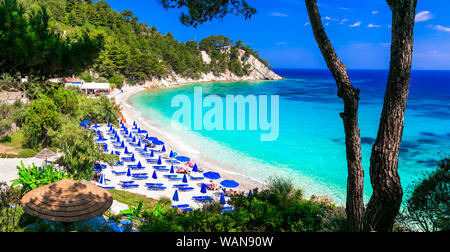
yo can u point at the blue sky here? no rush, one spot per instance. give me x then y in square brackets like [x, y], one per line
[359, 30]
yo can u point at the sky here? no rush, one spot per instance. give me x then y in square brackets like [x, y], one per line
[360, 31]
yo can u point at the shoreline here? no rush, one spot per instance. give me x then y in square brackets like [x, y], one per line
[177, 145]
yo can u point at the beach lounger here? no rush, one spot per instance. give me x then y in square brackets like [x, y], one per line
[108, 187]
[140, 177]
[180, 206]
[151, 161]
[154, 184]
[162, 169]
[173, 179]
[130, 186]
[156, 188]
[170, 176]
[196, 178]
[140, 174]
[181, 185]
[185, 189]
[119, 173]
[202, 198]
[172, 161]
[126, 182]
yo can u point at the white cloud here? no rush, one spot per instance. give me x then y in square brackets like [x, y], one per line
[355, 24]
[326, 18]
[373, 26]
[307, 23]
[327, 24]
[281, 43]
[423, 16]
[441, 28]
[278, 14]
[374, 12]
[343, 21]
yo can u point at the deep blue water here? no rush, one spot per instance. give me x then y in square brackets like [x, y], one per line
[310, 147]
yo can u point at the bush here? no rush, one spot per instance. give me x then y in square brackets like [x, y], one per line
[33, 177]
[428, 207]
[277, 209]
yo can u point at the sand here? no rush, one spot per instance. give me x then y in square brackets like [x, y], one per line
[176, 145]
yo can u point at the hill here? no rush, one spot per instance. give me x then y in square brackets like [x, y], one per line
[135, 53]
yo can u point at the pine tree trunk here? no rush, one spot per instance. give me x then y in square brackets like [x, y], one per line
[387, 194]
[350, 96]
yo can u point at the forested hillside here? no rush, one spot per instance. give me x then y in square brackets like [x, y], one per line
[133, 51]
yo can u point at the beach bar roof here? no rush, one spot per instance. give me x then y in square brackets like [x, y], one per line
[67, 201]
[45, 154]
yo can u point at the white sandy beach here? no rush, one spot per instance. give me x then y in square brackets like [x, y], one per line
[205, 163]
[176, 145]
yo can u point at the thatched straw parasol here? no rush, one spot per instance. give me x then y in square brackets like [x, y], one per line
[67, 201]
[45, 154]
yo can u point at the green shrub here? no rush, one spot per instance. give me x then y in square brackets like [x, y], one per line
[33, 176]
[428, 207]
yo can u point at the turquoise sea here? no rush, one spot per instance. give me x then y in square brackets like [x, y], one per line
[310, 146]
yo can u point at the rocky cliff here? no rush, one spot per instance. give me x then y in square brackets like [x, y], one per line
[258, 71]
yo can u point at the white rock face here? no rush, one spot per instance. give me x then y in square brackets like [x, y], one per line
[258, 71]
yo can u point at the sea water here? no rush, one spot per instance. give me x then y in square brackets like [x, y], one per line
[310, 147]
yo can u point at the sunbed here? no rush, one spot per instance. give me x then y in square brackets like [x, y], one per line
[185, 189]
[119, 173]
[154, 184]
[202, 198]
[130, 186]
[156, 187]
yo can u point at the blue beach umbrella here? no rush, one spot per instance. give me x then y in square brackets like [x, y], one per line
[128, 172]
[109, 125]
[102, 179]
[139, 165]
[184, 179]
[139, 143]
[229, 183]
[145, 148]
[183, 158]
[211, 175]
[175, 196]
[171, 154]
[132, 158]
[158, 142]
[250, 193]
[96, 126]
[222, 199]
[195, 168]
[123, 144]
[151, 139]
[154, 175]
[152, 154]
[134, 139]
[163, 148]
[172, 170]
[159, 160]
[203, 190]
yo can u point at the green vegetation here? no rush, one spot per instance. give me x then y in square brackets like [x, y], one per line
[30, 47]
[428, 205]
[135, 52]
[34, 177]
[278, 209]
